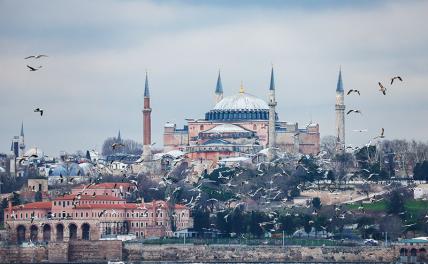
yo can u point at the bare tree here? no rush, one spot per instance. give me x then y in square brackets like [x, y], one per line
[328, 144]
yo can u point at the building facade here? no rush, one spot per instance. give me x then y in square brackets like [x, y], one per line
[240, 125]
[94, 213]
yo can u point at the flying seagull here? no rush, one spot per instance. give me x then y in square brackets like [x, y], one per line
[36, 56]
[396, 78]
[33, 69]
[382, 88]
[381, 134]
[39, 110]
[355, 111]
[116, 145]
[353, 91]
[360, 130]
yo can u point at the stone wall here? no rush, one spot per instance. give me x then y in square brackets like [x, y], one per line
[92, 251]
[138, 252]
[15, 254]
[99, 251]
[58, 252]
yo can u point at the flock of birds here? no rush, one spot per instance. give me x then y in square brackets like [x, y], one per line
[383, 90]
[33, 69]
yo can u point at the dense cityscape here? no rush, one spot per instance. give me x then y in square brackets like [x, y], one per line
[235, 184]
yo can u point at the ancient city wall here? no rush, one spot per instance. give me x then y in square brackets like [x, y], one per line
[16, 254]
[101, 251]
[138, 252]
[57, 252]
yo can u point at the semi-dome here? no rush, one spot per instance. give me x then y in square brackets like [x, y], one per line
[241, 101]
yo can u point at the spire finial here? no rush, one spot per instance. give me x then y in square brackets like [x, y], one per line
[219, 86]
[146, 87]
[119, 138]
[22, 128]
[272, 80]
[339, 87]
[241, 89]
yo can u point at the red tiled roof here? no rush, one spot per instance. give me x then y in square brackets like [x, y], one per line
[101, 206]
[89, 197]
[132, 206]
[35, 205]
[106, 185]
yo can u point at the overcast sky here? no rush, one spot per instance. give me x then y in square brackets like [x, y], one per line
[92, 83]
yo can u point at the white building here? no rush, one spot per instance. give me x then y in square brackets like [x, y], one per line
[420, 191]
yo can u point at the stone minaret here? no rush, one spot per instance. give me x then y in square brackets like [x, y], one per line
[147, 134]
[119, 138]
[21, 140]
[272, 119]
[218, 89]
[340, 115]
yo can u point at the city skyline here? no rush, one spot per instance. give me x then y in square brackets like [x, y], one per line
[92, 83]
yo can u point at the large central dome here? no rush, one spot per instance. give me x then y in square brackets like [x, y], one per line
[241, 101]
[239, 107]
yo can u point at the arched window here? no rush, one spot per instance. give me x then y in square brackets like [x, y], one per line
[72, 231]
[34, 230]
[46, 232]
[59, 232]
[86, 231]
[20, 230]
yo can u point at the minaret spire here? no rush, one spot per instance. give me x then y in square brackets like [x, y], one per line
[146, 87]
[272, 118]
[339, 87]
[22, 140]
[218, 89]
[119, 138]
[147, 123]
[272, 80]
[340, 114]
[22, 129]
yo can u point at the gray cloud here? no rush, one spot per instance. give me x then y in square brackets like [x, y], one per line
[92, 83]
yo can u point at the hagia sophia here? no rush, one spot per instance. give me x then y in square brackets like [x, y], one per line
[240, 125]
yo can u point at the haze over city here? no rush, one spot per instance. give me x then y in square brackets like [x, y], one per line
[92, 83]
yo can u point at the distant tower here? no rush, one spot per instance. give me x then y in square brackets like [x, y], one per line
[340, 115]
[272, 117]
[119, 138]
[21, 140]
[147, 133]
[218, 89]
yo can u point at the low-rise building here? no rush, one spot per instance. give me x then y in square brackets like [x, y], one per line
[93, 214]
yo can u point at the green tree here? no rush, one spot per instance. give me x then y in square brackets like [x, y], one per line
[320, 224]
[223, 221]
[201, 220]
[16, 199]
[288, 224]
[364, 225]
[316, 203]
[237, 221]
[307, 224]
[420, 171]
[396, 203]
[254, 223]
